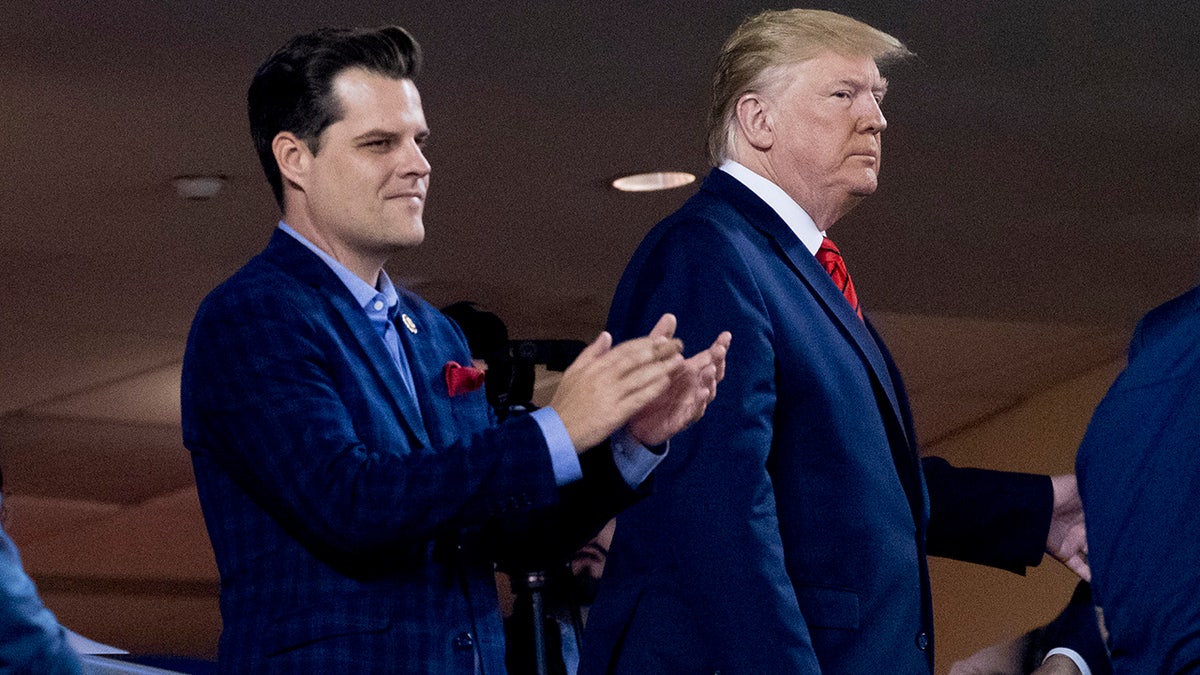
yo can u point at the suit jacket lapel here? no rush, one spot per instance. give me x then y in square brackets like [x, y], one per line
[381, 361]
[806, 267]
[426, 361]
[292, 256]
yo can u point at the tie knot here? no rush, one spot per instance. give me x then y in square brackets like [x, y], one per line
[828, 248]
[830, 258]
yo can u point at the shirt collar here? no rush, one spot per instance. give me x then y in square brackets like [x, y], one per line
[365, 294]
[792, 213]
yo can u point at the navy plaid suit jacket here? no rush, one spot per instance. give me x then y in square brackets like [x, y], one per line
[349, 536]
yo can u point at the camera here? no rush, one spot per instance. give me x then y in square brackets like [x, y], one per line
[511, 373]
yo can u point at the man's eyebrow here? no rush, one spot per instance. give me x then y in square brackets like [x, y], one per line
[375, 134]
[879, 87]
[379, 134]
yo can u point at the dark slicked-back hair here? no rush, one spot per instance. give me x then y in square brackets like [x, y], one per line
[292, 91]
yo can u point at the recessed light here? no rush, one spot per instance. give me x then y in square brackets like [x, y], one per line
[652, 181]
[198, 187]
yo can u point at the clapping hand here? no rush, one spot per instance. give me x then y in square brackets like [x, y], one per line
[692, 388]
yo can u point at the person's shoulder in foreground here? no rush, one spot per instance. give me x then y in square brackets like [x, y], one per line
[1137, 466]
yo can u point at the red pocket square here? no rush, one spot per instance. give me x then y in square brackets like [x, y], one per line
[462, 379]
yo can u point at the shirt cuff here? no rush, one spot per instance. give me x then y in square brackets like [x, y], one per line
[634, 460]
[563, 458]
[1073, 655]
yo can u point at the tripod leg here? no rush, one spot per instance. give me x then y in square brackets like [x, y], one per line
[536, 581]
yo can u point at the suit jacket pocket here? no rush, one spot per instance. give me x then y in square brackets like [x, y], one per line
[305, 625]
[827, 607]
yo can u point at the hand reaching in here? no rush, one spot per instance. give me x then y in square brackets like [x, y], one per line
[1067, 540]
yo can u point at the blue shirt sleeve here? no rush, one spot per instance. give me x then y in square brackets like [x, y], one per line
[562, 450]
[634, 460]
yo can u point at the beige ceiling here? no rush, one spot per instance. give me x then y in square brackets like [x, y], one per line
[1041, 193]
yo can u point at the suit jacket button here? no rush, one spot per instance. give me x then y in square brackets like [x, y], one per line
[464, 642]
[922, 641]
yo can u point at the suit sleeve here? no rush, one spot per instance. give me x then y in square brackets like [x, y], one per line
[272, 398]
[995, 518]
[545, 538]
[726, 535]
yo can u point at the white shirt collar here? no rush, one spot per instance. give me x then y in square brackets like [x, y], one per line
[779, 201]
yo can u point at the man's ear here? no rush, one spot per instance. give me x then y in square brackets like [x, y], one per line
[754, 120]
[293, 158]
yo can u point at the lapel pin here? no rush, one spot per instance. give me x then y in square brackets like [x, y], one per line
[409, 323]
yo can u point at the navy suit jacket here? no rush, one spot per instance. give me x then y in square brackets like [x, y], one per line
[1139, 476]
[788, 530]
[352, 533]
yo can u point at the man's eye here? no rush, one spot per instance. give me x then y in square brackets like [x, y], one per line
[842, 94]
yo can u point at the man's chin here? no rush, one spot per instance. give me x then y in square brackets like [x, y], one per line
[865, 188]
[408, 235]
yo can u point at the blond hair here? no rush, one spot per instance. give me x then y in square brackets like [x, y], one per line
[778, 38]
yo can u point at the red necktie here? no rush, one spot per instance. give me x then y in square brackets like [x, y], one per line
[831, 259]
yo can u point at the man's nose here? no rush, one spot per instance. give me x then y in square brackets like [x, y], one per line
[872, 119]
[413, 163]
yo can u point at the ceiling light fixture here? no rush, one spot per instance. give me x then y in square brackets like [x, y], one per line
[198, 187]
[653, 181]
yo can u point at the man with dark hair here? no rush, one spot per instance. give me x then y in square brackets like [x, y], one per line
[790, 529]
[293, 90]
[348, 465]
